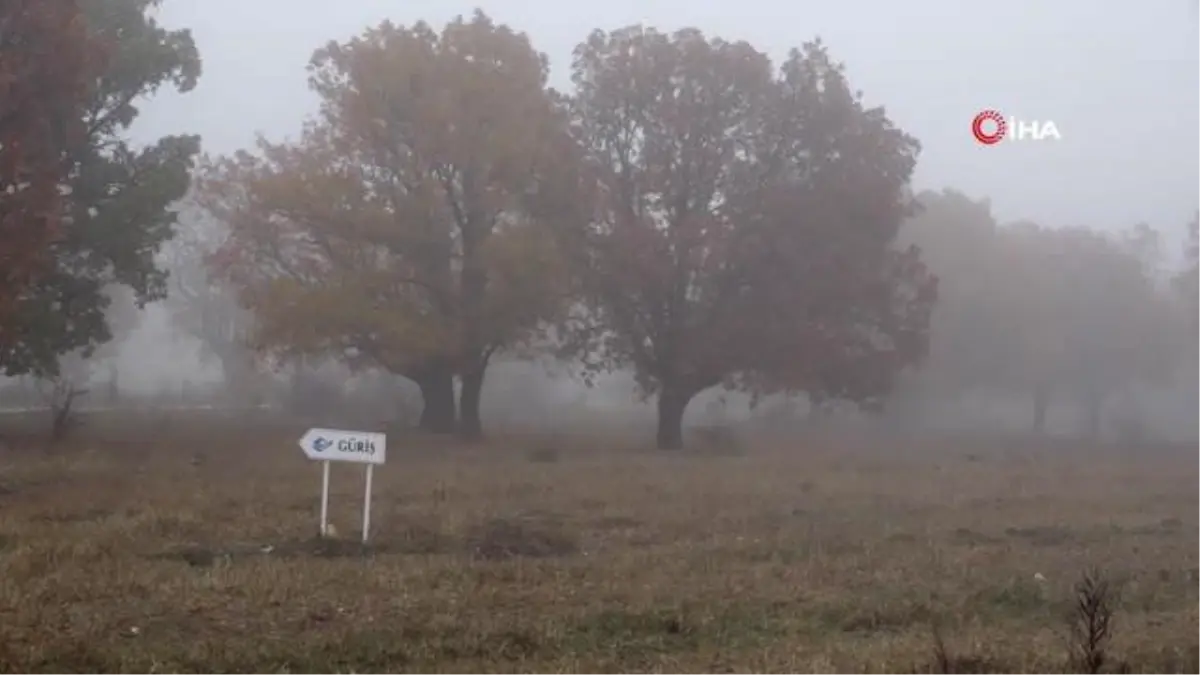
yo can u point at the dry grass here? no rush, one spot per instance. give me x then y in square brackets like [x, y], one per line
[148, 551]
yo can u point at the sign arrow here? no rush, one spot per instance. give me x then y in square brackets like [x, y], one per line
[340, 445]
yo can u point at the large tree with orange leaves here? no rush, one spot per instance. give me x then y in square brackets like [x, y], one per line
[743, 233]
[403, 230]
[46, 60]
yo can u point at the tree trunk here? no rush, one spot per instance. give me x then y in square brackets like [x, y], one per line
[672, 401]
[437, 394]
[470, 425]
[474, 230]
[1041, 400]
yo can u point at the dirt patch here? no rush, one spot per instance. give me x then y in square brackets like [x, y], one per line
[968, 537]
[1043, 535]
[66, 518]
[503, 539]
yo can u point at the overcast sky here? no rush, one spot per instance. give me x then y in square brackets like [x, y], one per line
[1119, 80]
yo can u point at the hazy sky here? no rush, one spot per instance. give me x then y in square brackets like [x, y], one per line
[1120, 81]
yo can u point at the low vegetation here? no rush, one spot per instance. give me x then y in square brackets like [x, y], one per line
[121, 551]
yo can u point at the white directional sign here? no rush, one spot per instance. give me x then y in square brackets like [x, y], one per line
[337, 445]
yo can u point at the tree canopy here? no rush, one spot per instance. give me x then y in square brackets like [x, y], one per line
[46, 63]
[117, 215]
[744, 225]
[403, 229]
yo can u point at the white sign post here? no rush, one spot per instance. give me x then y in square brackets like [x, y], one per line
[337, 445]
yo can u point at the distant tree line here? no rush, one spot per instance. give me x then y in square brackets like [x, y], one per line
[689, 212]
[1068, 314]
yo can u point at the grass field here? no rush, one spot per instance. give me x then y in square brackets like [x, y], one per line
[178, 546]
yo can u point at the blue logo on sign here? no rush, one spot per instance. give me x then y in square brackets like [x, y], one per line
[320, 444]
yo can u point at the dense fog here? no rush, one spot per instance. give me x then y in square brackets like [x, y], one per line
[1065, 268]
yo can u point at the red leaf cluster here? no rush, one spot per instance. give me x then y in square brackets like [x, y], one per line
[46, 65]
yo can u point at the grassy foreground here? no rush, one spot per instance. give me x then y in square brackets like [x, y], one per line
[190, 548]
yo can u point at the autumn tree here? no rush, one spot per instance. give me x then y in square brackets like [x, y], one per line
[743, 232]
[117, 216]
[46, 62]
[404, 228]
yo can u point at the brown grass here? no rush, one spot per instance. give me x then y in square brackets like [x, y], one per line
[145, 551]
